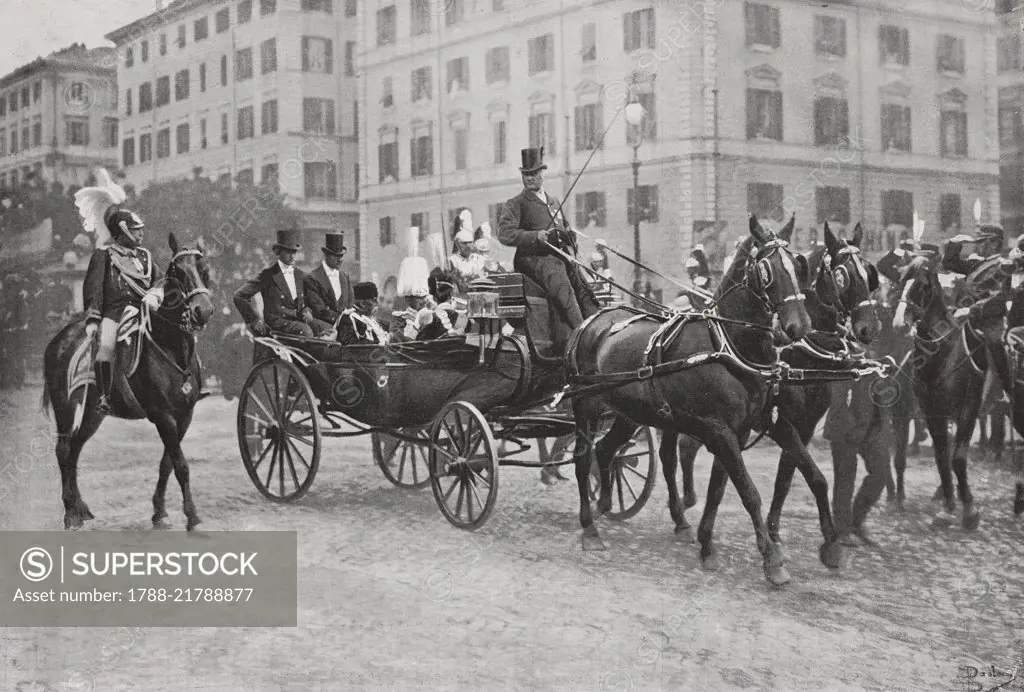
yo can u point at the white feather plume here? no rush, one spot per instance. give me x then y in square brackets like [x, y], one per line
[918, 228]
[977, 211]
[93, 203]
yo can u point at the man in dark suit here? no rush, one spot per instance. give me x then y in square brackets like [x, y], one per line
[528, 222]
[280, 285]
[327, 289]
[357, 324]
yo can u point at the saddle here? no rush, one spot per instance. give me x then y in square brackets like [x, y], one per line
[131, 332]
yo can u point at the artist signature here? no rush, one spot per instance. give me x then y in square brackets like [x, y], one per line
[974, 679]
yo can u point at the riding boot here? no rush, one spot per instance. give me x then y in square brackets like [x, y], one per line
[104, 381]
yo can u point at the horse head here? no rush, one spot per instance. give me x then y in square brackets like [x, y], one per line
[920, 292]
[771, 272]
[187, 299]
[855, 279]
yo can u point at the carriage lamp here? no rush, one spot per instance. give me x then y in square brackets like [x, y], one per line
[635, 113]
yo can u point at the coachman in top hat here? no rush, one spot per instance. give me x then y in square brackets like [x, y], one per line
[528, 222]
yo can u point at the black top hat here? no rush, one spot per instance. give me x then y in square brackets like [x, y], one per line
[289, 239]
[533, 160]
[335, 244]
[989, 231]
[367, 290]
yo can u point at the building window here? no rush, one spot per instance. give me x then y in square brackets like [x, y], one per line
[26, 139]
[385, 231]
[1009, 53]
[223, 128]
[244, 178]
[896, 132]
[243, 64]
[76, 96]
[541, 53]
[648, 127]
[223, 20]
[224, 179]
[181, 84]
[950, 54]
[317, 55]
[14, 101]
[145, 147]
[14, 140]
[129, 57]
[163, 44]
[953, 132]
[588, 42]
[24, 96]
[500, 128]
[1010, 130]
[109, 133]
[387, 162]
[318, 6]
[764, 114]
[762, 25]
[387, 25]
[76, 134]
[589, 126]
[422, 154]
[163, 143]
[145, 51]
[163, 91]
[590, 205]
[181, 36]
[223, 70]
[647, 204]
[421, 84]
[387, 97]
[350, 8]
[458, 75]
[897, 208]
[267, 7]
[128, 102]
[268, 56]
[145, 97]
[318, 115]
[128, 152]
[830, 36]
[949, 213]
[764, 200]
[183, 138]
[202, 133]
[245, 11]
[833, 205]
[831, 121]
[894, 45]
[422, 18]
[461, 149]
[3, 106]
[268, 117]
[200, 29]
[246, 123]
[638, 30]
[37, 132]
[268, 175]
[542, 131]
[37, 92]
[455, 12]
[421, 220]
[202, 76]
[350, 58]
[321, 180]
[498, 66]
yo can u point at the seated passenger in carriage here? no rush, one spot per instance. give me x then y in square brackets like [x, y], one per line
[421, 319]
[357, 324]
[467, 263]
[451, 316]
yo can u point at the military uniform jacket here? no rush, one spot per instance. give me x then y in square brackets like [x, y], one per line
[278, 304]
[523, 217]
[116, 278]
[320, 298]
[355, 328]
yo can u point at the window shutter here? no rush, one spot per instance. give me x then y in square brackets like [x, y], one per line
[776, 118]
[328, 105]
[305, 54]
[329, 56]
[332, 180]
[843, 120]
[775, 29]
[751, 23]
[881, 44]
[752, 119]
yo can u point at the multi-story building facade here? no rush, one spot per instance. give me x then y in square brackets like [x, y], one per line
[58, 117]
[1011, 115]
[854, 111]
[253, 92]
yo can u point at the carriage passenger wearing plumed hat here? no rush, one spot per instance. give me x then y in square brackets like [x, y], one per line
[421, 319]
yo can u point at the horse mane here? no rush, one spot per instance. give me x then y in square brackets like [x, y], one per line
[734, 272]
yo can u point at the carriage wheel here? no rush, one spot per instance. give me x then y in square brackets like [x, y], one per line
[278, 430]
[463, 465]
[406, 464]
[634, 471]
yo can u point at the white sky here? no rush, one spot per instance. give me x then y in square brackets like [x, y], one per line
[33, 28]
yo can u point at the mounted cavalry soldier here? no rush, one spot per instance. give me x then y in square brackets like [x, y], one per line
[280, 285]
[357, 325]
[528, 222]
[327, 289]
[121, 273]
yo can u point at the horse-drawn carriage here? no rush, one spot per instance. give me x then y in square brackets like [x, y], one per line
[447, 412]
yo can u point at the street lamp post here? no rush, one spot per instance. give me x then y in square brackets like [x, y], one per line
[635, 116]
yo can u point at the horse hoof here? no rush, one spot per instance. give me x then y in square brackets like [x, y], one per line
[73, 524]
[685, 534]
[593, 544]
[831, 554]
[970, 521]
[939, 495]
[161, 524]
[777, 576]
[192, 523]
[710, 563]
[780, 549]
[689, 500]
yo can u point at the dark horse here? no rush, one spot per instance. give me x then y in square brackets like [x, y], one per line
[948, 363]
[838, 285]
[706, 376]
[1008, 359]
[166, 385]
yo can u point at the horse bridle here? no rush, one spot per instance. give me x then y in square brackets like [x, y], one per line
[849, 253]
[766, 276]
[186, 314]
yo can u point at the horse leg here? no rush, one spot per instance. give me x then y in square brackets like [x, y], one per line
[583, 457]
[783, 482]
[964, 432]
[940, 438]
[997, 439]
[669, 461]
[68, 449]
[604, 450]
[688, 448]
[705, 530]
[171, 436]
[166, 466]
[901, 436]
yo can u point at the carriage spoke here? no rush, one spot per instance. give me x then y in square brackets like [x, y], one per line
[475, 446]
[452, 438]
[263, 455]
[299, 455]
[462, 492]
[270, 397]
[280, 468]
[258, 421]
[634, 471]
[277, 389]
[401, 463]
[622, 479]
[263, 408]
[273, 462]
[415, 476]
[291, 466]
[300, 438]
[442, 450]
[469, 498]
[302, 420]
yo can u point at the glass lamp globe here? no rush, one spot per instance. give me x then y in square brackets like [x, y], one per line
[635, 114]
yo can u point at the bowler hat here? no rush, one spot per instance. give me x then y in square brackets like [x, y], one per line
[533, 160]
[289, 239]
[335, 244]
[367, 290]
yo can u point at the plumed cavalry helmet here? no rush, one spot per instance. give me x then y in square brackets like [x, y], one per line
[120, 220]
